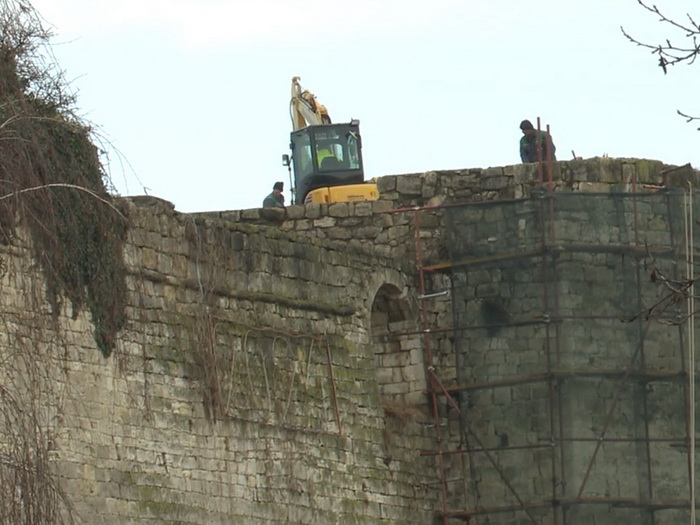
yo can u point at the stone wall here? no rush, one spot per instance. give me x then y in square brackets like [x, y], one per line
[573, 353]
[273, 367]
[580, 393]
[244, 388]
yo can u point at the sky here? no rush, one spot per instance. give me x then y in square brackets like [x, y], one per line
[191, 97]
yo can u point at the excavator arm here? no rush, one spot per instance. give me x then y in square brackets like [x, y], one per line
[305, 110]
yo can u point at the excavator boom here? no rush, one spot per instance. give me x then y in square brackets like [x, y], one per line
[305, 109]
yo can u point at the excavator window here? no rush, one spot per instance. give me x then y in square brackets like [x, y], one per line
[325, 155]
[341, 144]
[330, 163]
[353, 151]
[301, 154]
[329, 156]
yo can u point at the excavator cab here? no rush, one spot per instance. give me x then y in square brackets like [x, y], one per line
[326, 157]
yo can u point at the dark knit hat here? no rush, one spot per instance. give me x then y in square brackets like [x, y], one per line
[526, 124]
[278, 186]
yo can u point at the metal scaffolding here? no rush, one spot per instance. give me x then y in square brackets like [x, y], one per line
[573, 330]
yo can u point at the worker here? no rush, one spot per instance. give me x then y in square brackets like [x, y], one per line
[534, 147]
[322, 152]
[275, 199]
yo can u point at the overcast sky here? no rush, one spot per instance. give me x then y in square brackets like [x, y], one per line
[193, 95]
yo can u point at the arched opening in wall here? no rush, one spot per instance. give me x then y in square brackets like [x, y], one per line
[398, 353]
[400, 372]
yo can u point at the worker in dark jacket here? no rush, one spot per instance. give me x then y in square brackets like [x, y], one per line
[535, 145]
[275, 199]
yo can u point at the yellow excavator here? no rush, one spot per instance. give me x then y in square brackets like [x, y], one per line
[326, 158]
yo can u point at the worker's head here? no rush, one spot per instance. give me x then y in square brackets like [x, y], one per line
[527, 127]
[278, 187]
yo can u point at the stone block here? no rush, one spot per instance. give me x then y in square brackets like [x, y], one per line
[493, 181]
[324, 222]
[250, 215]
[409, 185]
[413, 373]
[296, 212]
[386, 184]
[313, 211]
[338, 209]
[362, 209]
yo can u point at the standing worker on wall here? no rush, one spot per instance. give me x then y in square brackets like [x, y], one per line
[275, 199]
[535, 145]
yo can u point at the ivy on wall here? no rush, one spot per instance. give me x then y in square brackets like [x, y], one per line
[52, 182]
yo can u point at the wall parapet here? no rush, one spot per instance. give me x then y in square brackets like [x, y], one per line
[378, 225]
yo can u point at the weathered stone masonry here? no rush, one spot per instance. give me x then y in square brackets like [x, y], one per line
[243, 388]
[272, 369]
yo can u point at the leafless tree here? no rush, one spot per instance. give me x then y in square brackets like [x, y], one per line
[670, 54]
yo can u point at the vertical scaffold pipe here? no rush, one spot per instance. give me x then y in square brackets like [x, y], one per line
[433, 383]
[540, 176]
[548, 149]
[689, 262]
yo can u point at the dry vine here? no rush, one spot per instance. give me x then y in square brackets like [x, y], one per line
[55, 214]
[31, 394]
[673, 294]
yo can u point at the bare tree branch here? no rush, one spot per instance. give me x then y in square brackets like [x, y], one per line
[670, 54]
[688, 118]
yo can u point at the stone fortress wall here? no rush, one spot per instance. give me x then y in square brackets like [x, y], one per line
[274, 370]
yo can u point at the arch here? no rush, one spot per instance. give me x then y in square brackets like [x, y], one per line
[389, 303]
[398, 352]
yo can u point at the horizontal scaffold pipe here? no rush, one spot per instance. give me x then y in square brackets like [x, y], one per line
[563, 374]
